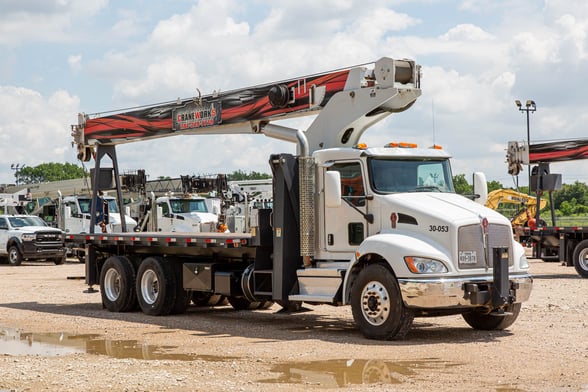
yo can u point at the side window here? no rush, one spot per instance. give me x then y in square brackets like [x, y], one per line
[352, 188]
[3, 224]
[164, 209]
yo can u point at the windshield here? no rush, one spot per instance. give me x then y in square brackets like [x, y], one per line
[389, 176]
[86, 205]
[21, 221]
[188, 205]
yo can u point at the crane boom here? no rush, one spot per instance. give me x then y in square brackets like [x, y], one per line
[249, 109]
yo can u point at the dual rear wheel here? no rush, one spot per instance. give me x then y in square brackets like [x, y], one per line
[153, 287]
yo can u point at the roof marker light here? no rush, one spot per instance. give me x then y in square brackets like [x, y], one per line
[436, 147]
[391, 144]
[407, 145]
[361, 146]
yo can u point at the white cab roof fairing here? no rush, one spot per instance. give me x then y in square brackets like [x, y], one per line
[323, 156]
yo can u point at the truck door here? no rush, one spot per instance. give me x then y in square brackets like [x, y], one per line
[345, 226]
[3, 235]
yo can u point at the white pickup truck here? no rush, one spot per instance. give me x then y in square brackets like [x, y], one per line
[27, 237]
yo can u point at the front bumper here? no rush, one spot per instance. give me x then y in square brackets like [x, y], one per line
[437, 293]
[31, 250]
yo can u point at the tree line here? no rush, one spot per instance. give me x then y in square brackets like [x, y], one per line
[571, 200]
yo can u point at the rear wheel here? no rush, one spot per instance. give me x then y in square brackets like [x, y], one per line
[14, 256]
[117, 284]
[376, 304]
[581, 258]
[489, 322]
[156, 287]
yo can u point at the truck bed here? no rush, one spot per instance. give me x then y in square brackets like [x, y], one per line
[189, 244]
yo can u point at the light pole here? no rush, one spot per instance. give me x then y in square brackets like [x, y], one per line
[530, 106]
[17, 168]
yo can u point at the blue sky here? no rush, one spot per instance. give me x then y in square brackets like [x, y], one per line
[61, 57]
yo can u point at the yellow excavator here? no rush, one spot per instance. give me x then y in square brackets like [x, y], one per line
[510, 196]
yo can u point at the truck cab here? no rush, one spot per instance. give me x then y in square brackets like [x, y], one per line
[27, 237]
[189, 213]
[77, 213]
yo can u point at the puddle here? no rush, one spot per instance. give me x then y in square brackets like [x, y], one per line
[14, 342]
[340, 372]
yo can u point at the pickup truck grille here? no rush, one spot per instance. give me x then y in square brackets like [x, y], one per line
[48, 236]
[470, 246]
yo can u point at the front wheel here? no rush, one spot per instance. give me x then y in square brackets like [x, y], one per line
[489, 322]
[376, 304]
[14, 256]
[581, 258]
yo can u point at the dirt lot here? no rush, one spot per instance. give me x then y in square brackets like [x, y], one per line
[55, 337]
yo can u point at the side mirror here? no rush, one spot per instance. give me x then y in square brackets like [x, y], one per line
[480, 188]
[332, 189]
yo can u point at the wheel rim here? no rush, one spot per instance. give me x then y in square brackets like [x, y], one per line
[375, 303]
[149, 287]
[582, 259]
[112, 284]
[13, 256]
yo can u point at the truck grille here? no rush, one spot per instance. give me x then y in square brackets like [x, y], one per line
[470, 247]
[48, 236]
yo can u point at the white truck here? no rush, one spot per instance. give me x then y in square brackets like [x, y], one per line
[74, 215]
[27, 237]
[186, 213]
[379, 228]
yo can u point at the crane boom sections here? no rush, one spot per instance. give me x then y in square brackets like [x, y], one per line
[249, 109]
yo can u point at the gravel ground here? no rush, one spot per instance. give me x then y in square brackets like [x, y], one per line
[55, 337]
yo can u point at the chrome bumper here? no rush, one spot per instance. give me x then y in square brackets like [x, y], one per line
[450, 292]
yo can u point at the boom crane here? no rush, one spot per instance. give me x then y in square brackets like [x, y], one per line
[565, 244]
[391, 86]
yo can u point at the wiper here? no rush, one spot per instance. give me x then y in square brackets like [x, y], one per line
[424, 188]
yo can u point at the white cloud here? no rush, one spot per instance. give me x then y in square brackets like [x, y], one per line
[34, 129]
[43, 20]
[75, 62]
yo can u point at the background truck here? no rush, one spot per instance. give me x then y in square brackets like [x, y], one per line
[552, 242]
[378, 228]
[27, 237]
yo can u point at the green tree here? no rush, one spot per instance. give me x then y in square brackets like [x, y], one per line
[239, 175]
[575, 194]
[461, 185]
[47, 172]
[494, 185]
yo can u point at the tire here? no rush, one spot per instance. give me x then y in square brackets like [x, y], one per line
[14, 256]
[59, 260]
[377, 306]
[581, 258]
[156, 287]
[117, 284]
[488, 322]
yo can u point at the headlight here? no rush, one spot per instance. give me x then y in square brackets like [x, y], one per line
[421, 265]
[28, 237]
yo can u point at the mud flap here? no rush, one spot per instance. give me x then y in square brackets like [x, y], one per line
[501, 293]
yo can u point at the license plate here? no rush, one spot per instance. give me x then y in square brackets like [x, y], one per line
[468, 257]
